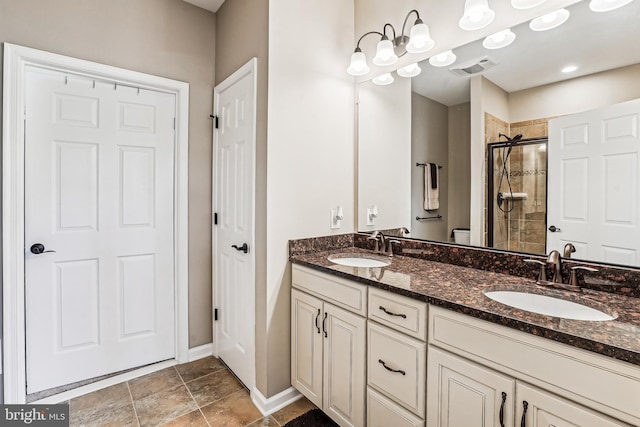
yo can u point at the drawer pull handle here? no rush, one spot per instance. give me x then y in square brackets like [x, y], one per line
[317, 326]
[390, 369]
[324, 326]
[404, 316]
[523, 421]
[504, 399]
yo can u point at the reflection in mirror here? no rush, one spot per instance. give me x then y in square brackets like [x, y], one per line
[449, 115]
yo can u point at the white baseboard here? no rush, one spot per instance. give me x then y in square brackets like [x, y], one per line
[274, 403]
[200, 352]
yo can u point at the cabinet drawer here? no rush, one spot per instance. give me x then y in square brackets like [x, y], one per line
[405, 314]
[402, 354]
[340, 292]
[381, 412]
[593, 380]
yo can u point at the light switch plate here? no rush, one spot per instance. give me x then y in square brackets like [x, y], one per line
[370, 219]
[335, 223]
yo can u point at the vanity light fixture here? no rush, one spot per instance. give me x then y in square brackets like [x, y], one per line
[569, 69]
[443, 59]
[389, 49]
[526, 4]
[499, 40]
[607, 5]
[383, 80]
[550, 20]
[477, 14]
[410, 70]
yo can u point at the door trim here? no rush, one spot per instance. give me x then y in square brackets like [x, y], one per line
[17, 59]
[249, 68]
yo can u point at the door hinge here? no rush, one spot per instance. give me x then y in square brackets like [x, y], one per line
[215, 218]
[215, 120]
[215, 314]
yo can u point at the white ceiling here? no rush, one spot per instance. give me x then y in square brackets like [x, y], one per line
[592, 41]
[211, 5]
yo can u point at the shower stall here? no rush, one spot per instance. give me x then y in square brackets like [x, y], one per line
[517, 195]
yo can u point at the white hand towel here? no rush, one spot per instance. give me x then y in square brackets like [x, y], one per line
[431, 195]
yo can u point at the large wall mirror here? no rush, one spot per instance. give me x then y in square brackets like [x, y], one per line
[507, 192]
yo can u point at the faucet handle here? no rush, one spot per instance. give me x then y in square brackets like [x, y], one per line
[542, 274]
[390, 243]
[573, 280]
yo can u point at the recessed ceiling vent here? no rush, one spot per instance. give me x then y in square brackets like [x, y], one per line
[473, 67]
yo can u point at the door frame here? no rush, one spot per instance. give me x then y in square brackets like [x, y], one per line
[17, 59]
[249, 68]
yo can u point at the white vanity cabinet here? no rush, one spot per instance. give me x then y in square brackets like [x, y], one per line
[396, 360]
[328, 344]
[471, 362]
[463, 393]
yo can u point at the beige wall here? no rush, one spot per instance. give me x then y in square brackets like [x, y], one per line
[310, 166]
[169, 38]
[242, 32]
[384, 154]
[459, 170]
[576, 95]
[429, 143]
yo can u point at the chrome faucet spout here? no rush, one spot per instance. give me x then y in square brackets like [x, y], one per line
[555, 260]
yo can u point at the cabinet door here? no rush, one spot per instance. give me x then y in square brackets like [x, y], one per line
[344, 366]
[306, 345]
[464, 394]
[547, 410]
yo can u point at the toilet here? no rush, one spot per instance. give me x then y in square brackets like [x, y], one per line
[461, 235]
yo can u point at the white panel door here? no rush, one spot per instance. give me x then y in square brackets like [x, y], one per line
[536, 408]
[99, 196]
[594, 184]
[234, 276]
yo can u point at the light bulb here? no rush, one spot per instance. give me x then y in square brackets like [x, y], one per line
[385, 54]
[419, 38]
[358, 65]
[410, 70]
[499, 39]
[550, 20]
[383, 80]
[443, 59]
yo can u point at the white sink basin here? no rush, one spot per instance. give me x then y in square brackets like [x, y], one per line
[359, 260]
[549, 306]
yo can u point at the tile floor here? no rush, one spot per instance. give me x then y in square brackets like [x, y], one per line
[201, 393]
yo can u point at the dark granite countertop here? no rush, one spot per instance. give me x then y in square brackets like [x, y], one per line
[461, 289]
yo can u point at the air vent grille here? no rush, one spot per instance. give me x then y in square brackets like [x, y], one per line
[473, 67]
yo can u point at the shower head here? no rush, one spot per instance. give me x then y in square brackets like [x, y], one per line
[518, 137]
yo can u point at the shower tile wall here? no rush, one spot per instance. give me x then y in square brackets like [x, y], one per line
[524, 228]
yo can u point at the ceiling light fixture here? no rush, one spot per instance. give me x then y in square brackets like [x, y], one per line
[499, 40]
[550, 20]
[526, 4]
[389, 49]
[383, 80]
[410, 70]
[477, 14]
[443, 59]
[607, 5]
[569, 69]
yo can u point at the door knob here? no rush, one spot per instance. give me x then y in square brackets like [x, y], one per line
[38, 248]
[553, 229]
[244, 248]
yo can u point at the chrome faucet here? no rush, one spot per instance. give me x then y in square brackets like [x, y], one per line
[384, 245]
[568, 250]
[555, 260]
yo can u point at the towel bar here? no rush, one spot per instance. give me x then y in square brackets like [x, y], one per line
[424, 164]
[428, 218]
